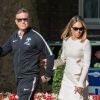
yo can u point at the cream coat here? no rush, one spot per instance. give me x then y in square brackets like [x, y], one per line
[77, 56]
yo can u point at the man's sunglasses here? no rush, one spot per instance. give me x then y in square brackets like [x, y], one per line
[78, 28]
[22, 19]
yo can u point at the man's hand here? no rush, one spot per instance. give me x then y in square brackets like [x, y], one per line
[45, 79]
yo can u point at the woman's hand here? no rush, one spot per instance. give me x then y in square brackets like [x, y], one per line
[79, 90]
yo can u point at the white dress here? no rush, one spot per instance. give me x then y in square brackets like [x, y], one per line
[77, 56]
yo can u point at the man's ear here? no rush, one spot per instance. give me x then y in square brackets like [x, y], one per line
[15, 21]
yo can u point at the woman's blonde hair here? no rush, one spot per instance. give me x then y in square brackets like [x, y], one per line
[67, 32]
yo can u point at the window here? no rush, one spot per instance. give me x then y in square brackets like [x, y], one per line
[90, 11]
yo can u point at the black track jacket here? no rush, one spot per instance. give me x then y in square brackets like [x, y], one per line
[26, 52]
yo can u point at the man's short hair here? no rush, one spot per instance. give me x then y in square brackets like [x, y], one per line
[22, 10]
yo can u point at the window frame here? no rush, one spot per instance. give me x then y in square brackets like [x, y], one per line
[92, 23]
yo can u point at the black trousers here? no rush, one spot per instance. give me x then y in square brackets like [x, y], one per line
[26, 88]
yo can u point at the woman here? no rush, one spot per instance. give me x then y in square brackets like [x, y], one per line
[76, 53]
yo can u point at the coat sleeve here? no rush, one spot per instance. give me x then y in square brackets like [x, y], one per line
[50, 59]
[63, 52]
[46, 51]
[6, 48]
[86, 62]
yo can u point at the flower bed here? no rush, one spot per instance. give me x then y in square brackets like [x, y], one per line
[52, 96]
[94, 97]
[45, 96]
[8, 96]
[40, 96]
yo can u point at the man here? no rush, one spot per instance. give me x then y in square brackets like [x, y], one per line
[27, 45]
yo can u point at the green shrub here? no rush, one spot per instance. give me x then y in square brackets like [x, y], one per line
[58, 74]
